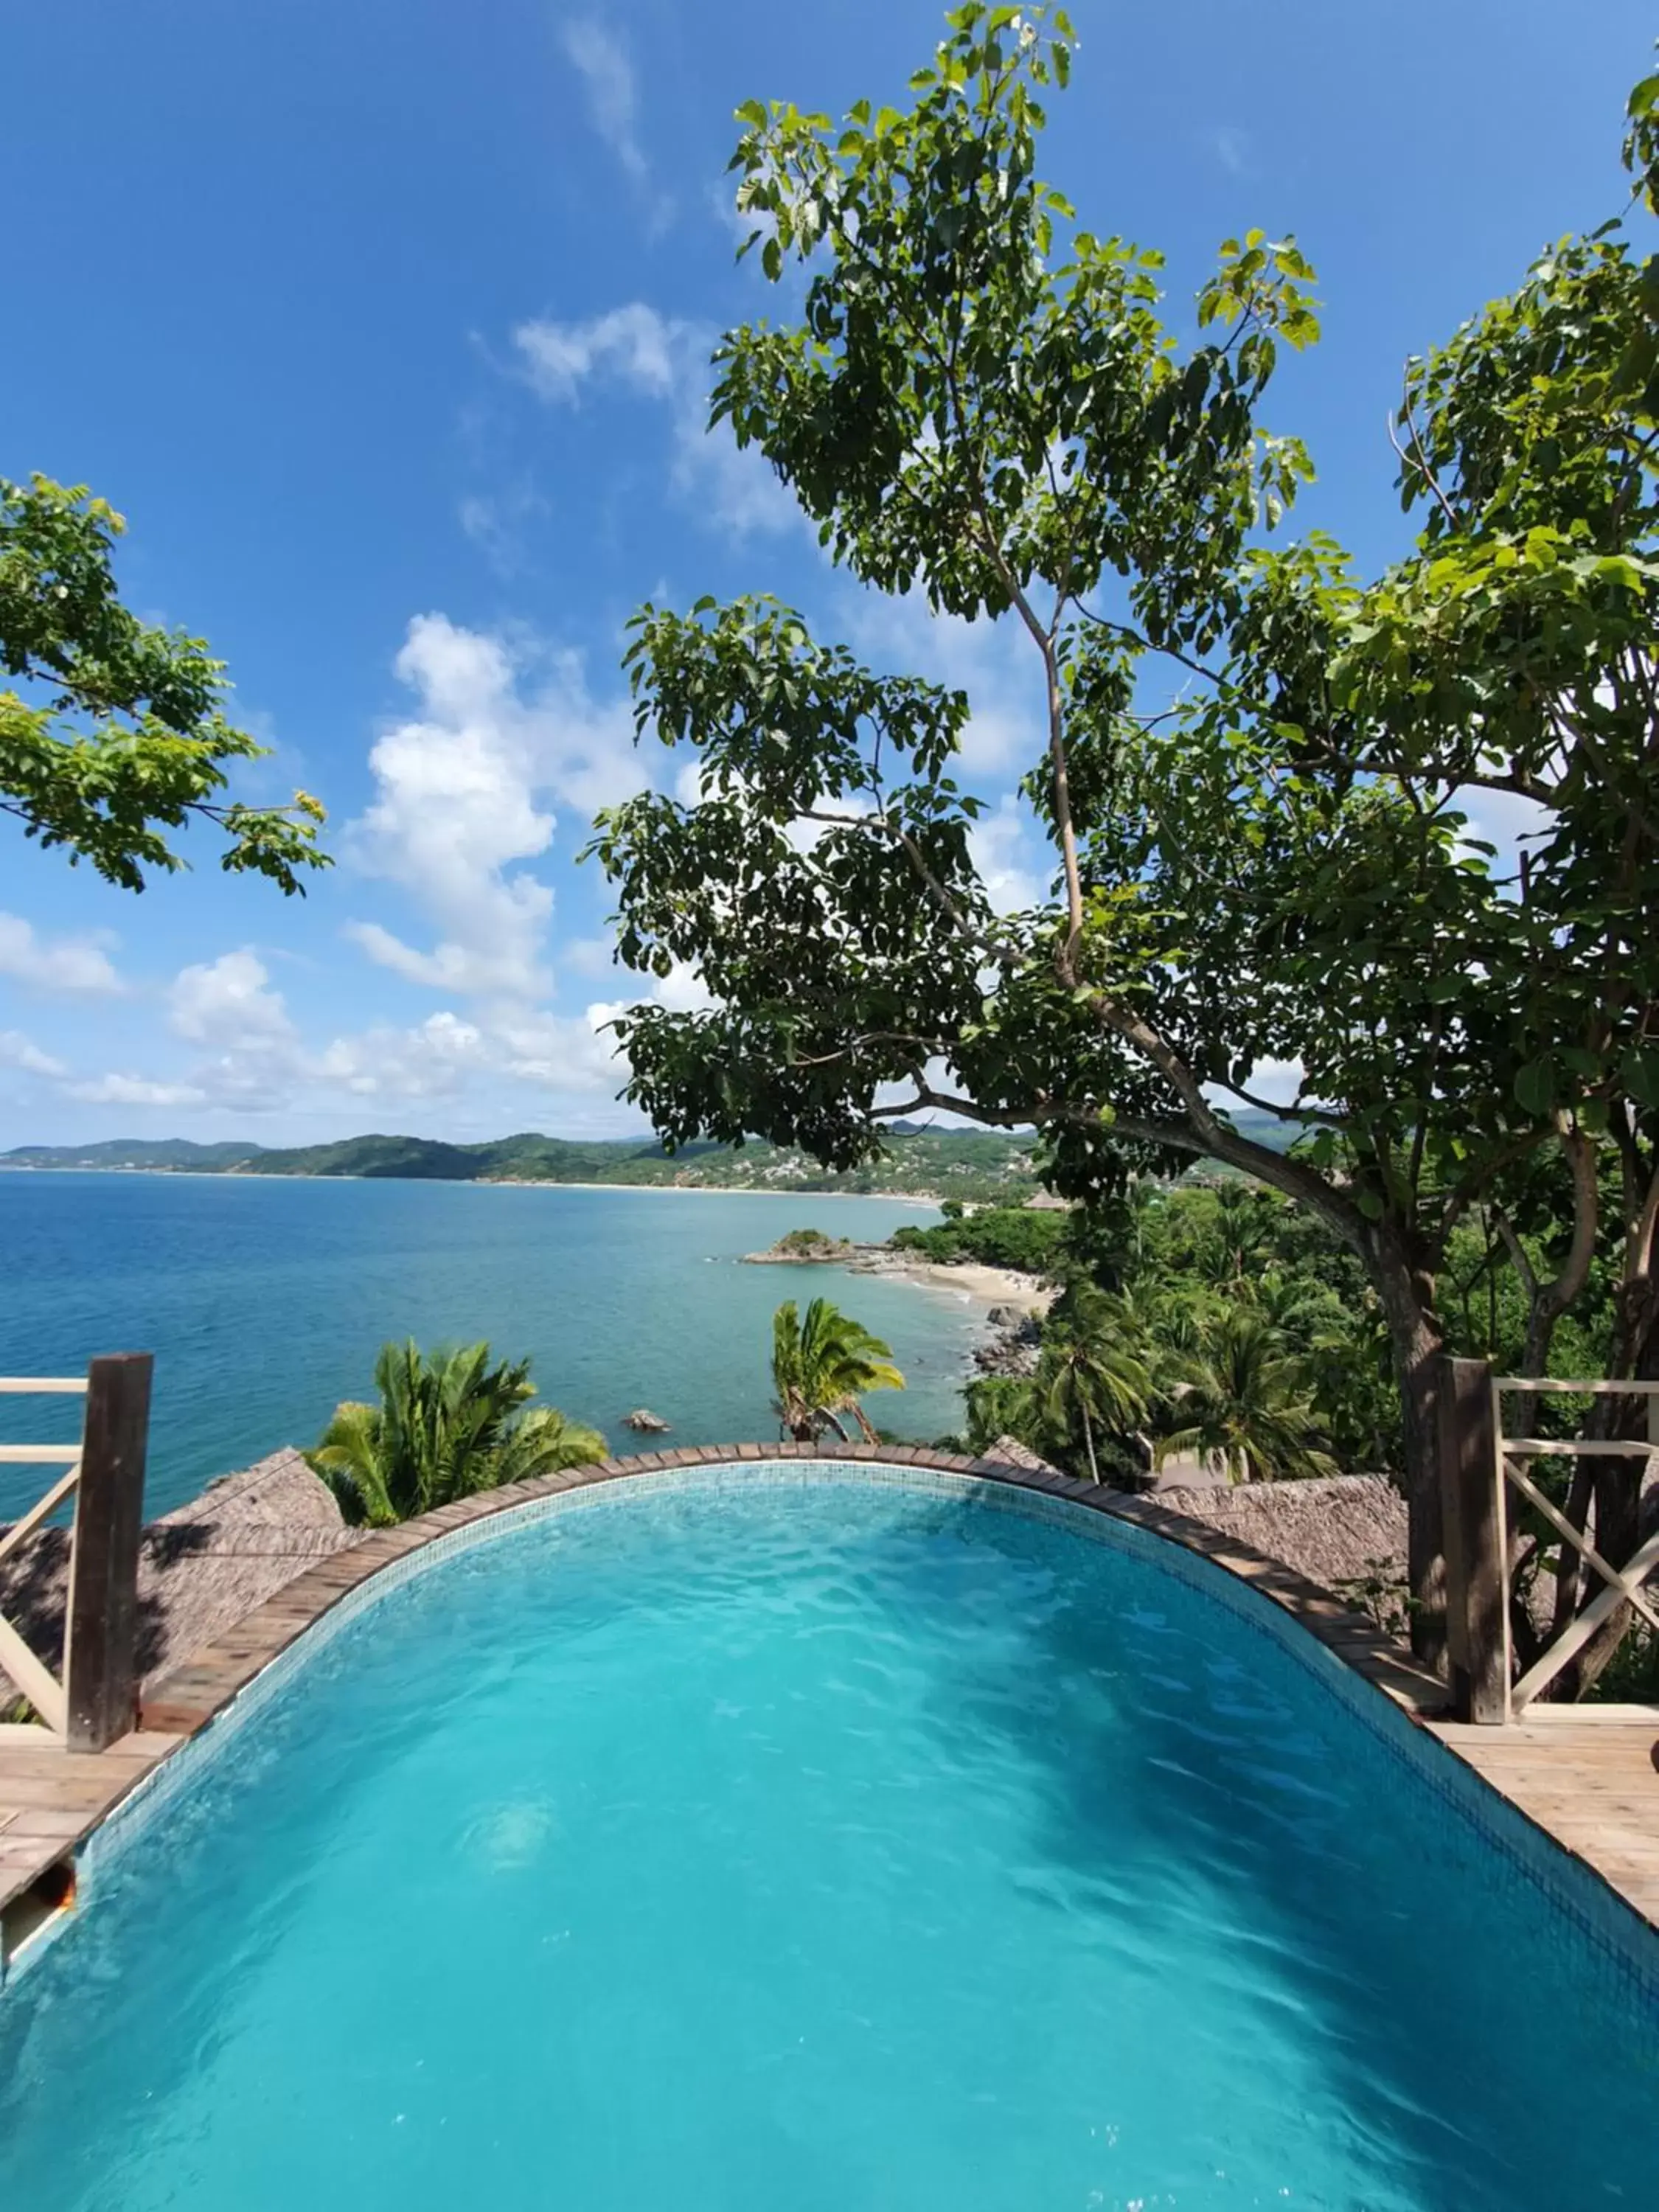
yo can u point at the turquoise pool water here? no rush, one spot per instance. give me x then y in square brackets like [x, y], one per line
[833, 1848]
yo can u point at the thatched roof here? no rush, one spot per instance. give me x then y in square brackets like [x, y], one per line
[200, 1568]
[1343, 1529]
[1008, 1451]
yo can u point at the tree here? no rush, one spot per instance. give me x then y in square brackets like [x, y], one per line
[1254, 770]
[999, 1406]
[446, 1426]
[823, 1363]
[1090, 1372]
[120, 735]
[1245, 1399]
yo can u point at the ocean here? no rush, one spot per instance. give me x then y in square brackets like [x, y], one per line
[265, 1301]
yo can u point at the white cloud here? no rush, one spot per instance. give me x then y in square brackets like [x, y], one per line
[136, 1090]
[460, 800]
[602, 61]
[587, 955]
[559, 1052]
[659, 357]
[682, 991]
[993, 662]
[64, 964]
[1278, 1082]
[226, 1002]
[1002, 844]
[634, 345]
[431, 1059]
[18, 1051]
[1506, 820]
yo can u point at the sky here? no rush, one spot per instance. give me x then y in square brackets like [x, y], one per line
[385, 323]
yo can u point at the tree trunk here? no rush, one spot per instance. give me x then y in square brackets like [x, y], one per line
[1089, 1440]
[1415, 1338]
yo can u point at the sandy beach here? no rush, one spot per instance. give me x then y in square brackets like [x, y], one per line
[992, 1287]
[996, 1286]
[968, 1279]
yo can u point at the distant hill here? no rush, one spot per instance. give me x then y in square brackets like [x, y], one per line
[975, 1164]
[133, 1153]
[968, 1164]
[1266, 1128]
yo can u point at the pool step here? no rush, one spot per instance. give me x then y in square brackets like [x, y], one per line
[30, 1919]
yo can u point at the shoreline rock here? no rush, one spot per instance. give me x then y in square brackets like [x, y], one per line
[1013, 1345]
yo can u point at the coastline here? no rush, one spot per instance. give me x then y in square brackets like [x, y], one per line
[650, 1189]
[971, 1279]
[503, 1183]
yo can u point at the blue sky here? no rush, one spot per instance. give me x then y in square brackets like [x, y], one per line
[385, 323]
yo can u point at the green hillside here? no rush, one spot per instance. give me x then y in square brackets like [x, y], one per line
[973, 1165]
[969, 1164]
[177, 1152]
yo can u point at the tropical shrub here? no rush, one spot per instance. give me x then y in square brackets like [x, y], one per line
[448, 1424]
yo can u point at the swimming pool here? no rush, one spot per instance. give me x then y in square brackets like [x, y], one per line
[758, 1840]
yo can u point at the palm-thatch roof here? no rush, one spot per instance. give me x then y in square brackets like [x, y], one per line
[1337, 1530]
[200, 1568]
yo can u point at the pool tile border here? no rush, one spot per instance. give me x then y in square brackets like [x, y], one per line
[198, 1709]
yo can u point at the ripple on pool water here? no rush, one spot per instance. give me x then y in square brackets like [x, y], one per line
[839, 1850]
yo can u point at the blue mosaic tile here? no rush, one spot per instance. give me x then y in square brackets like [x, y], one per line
[1629, 1948]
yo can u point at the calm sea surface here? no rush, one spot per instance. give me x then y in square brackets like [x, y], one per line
[264, 1301]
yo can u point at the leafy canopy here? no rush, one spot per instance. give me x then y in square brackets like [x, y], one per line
[119, 734]
[1256, 770]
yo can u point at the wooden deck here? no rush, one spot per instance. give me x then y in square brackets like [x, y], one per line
[1589, 1778]
[1587, 1774]
[50, 1798]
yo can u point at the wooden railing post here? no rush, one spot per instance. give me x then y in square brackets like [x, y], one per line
[101, 1679]
[1477, 1648]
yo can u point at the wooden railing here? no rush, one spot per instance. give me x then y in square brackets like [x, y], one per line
[94, 1701]
[1481, 1464]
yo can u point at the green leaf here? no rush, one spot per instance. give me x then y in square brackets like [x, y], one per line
[1535, 1085]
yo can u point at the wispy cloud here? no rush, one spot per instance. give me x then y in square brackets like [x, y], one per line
[601, 59]
[633, 345]
[136, 1090]
[21, 1052]
[649, 355]
[1233, 148]
[497, 525]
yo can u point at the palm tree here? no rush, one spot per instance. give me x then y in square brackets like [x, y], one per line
[1092, 1370]
[822, 1365]
[1246, 1399]
[1241, 1216]
[446, 1426]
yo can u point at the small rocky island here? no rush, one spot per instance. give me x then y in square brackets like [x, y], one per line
[809, 1248]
